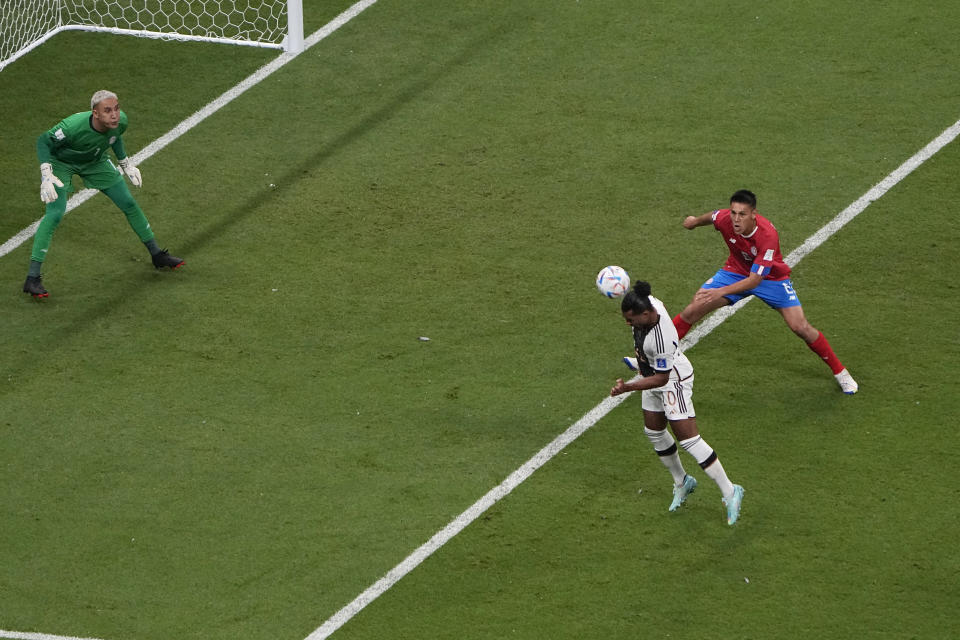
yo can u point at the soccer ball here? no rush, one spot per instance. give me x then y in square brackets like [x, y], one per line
[613, 281]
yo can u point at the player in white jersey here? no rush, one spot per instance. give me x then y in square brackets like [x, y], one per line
[666, 386]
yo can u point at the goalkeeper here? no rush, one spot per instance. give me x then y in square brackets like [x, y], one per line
[77, 146]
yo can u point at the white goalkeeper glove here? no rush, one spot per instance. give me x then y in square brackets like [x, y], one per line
[48, 183]
[132, 172]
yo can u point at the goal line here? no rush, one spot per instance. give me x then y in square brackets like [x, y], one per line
[21, 635]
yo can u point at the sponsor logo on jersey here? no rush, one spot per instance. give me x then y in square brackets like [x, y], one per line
[732, 240]
[113, 139]
[768, 255]
[661, 363]
[58, 134]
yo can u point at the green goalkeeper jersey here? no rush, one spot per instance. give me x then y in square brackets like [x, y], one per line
[74, 141]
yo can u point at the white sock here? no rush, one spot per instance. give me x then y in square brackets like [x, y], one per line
[666, 449]
[706, 457]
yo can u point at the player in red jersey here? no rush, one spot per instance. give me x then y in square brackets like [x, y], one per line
[755, 267]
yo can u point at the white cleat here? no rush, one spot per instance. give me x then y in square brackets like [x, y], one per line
[847, 384]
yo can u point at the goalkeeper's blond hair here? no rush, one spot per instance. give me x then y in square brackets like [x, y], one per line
[100, 96]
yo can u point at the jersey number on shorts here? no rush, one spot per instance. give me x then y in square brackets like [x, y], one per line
[671, 398]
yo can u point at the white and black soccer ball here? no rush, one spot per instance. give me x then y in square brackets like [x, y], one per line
[613, 281]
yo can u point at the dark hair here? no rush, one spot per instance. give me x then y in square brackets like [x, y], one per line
[637, 299]
[745, 197]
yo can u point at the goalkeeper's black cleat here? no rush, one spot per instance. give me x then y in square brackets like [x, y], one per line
[164, 259]
[34, 286]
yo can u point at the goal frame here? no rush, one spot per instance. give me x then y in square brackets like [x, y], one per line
[293, 42]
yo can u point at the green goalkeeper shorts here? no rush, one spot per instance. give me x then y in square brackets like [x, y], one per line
[100, 175]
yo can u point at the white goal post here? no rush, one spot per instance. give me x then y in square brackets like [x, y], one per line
[276, 24]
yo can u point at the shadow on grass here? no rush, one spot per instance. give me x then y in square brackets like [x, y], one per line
[366, 124]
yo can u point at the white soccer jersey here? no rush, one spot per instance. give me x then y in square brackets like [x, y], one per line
[658, 348]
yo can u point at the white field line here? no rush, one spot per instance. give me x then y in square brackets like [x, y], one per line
[514, 480]
[159, 144]
[226, 98]
[827, 230]
[19, 635]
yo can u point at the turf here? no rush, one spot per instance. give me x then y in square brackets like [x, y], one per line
[238, 449]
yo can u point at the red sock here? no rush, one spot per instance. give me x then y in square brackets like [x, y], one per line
[682, 325]
[822, 348]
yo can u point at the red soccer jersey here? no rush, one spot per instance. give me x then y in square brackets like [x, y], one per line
[759, 252]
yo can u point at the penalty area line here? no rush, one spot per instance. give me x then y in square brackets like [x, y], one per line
[593, 416]
[21, 635]
[189, 123]
[205, 112]
[460, 522]
[823, 234]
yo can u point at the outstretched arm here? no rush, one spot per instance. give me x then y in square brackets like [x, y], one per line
[692, 222]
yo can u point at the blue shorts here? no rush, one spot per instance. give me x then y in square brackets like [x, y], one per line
[778, 294]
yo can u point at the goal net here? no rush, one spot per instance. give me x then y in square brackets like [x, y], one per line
[278, 24]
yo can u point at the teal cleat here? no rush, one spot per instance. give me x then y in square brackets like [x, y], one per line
[733, 504]
[680, 493]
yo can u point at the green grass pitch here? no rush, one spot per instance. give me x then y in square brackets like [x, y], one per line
[240, 448]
